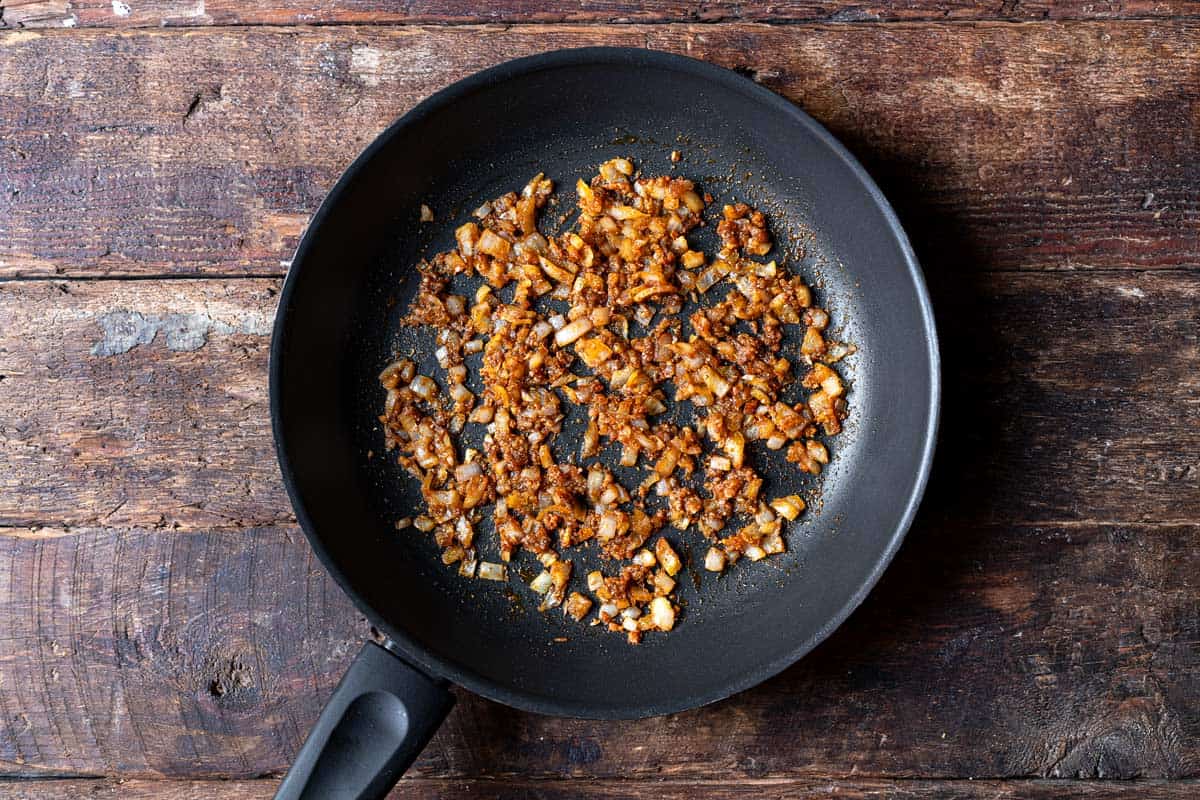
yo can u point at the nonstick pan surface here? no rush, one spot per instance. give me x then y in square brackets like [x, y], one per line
[563, 113]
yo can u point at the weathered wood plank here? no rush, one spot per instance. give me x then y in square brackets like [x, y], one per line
[137, 403]
[145, 402]
[157, 13]
[986, 651]
[420, 788]
[1065, 145]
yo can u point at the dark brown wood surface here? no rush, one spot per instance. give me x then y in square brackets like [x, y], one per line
[189, 13]
[425, 789]
[162, 621]
[1026, 147]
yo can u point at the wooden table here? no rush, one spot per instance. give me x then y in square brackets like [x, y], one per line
[163, 624]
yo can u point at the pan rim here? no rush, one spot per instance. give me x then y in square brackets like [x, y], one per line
[463, 674]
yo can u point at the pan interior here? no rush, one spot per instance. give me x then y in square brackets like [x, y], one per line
[352, 280]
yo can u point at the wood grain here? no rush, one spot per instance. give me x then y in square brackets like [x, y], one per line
[145, 402]
[156, 13]
[583, 789]
[1051, 146]
[989, 651]
[137, 403]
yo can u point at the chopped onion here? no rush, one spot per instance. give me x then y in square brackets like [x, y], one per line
[423, 387]
[773, 544]
[788, 507]
[464, 472]
[558, 321]
[572, 331]
[714, 560]
[668, 557]
[662, 613]
[644, 558]
[542, 583]
[490, 571]
[607, 528]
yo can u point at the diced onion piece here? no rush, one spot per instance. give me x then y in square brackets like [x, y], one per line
[788, 507]
[491, 571]
[663, 583]
[714, 560]
[715, 382]
[466, 236]
[572, 331]
[719, 463]
[464, 472]
[403, 523]
[735, 448]
[625, 212]
[608, 611]
[767, 270]
[816, 451]
[482, 414]
[776, 442]
[424, 524]
[493, 245]
[629, 623]
[577, 606]
[644, 558]
[595, 580]
[467, 566]
[755, 553]
[662, 613]
[591, 350]
[773, 544]
[424, 387]
[607, 528]
[542, 583]
[668, 557]
[813, 344]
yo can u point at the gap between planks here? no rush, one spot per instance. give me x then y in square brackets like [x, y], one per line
[1181, 270]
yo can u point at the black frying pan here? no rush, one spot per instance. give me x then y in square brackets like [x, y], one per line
[338, 325]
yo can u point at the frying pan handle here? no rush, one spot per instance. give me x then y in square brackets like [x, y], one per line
[374, 726]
